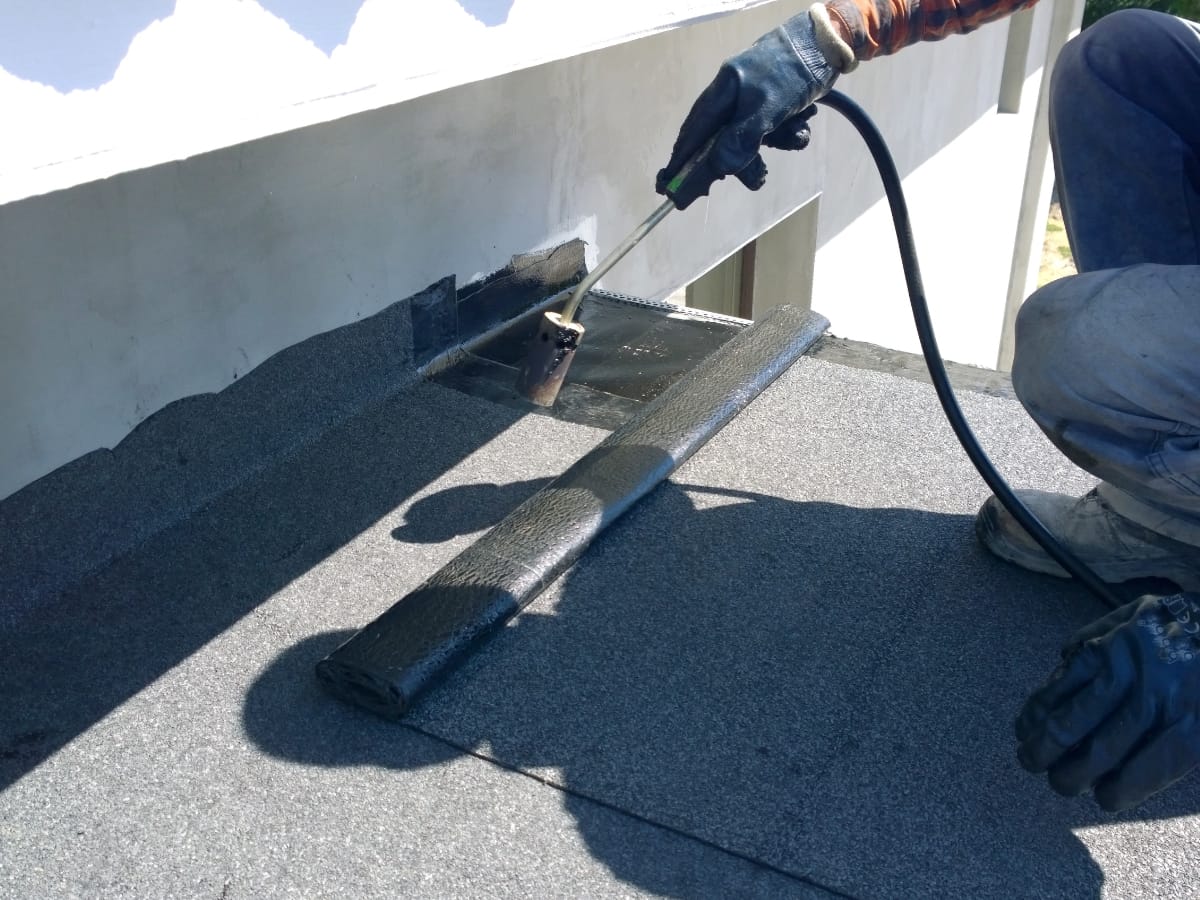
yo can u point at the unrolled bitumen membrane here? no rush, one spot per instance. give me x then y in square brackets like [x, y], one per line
[386, 665]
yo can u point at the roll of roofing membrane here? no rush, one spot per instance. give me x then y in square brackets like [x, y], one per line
[385, 666]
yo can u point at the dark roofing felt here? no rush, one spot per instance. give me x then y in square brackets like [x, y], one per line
[789, 672]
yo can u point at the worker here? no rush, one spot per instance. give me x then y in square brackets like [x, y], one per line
[1107, 361]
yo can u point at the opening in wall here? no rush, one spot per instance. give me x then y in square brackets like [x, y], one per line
[773, 269]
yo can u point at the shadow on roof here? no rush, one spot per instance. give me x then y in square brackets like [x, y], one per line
[75, 658]
[807, 684]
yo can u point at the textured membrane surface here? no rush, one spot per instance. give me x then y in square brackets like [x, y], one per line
[790, 672]
[386, 665]
[162, 734]
[796, 649]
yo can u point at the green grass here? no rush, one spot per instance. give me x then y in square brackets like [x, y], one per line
[1097, 9]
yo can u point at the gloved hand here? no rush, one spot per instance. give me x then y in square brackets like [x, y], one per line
[1121, 714]
[761, 96]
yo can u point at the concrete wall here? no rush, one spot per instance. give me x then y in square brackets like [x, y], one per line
[124, 294]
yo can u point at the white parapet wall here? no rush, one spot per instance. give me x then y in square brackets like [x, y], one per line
[91, 89]
[166, 230]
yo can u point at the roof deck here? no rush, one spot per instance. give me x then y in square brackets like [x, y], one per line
[790, 671]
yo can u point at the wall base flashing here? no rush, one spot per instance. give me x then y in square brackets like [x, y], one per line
[99, 507]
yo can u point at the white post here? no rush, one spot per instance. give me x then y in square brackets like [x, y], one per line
[1035, 195]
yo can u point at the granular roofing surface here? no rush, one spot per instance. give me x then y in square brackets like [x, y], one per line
[791, 671]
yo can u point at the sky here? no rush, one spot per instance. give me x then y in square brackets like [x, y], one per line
[79, 78]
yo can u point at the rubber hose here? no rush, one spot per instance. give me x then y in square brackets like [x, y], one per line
[933, 358]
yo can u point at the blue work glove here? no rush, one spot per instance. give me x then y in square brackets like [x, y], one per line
[1121, 714]
[764, 95]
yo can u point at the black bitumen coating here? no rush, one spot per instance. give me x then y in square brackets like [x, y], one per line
[632, 350]
[503, 295]
[576, 402]
[630, 353]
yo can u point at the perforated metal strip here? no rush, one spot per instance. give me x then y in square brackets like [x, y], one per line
[688, 311]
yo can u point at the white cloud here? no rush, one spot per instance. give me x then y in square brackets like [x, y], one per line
[215, 70]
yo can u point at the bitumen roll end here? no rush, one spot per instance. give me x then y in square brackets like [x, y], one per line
[386, 665]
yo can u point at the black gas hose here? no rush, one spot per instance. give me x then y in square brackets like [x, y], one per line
[933, 359]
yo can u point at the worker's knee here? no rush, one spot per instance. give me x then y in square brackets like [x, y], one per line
[1120, 56]
[1040, 324]
[1114, 339]
[1055, 359]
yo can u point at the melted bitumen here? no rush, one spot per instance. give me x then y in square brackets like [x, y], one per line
[629, 350]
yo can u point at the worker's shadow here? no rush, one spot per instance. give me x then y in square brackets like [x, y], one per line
[827, 689]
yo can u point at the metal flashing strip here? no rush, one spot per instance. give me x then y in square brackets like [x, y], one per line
[687, 312]
[385, 666]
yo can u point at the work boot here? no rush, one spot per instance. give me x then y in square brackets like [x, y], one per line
[1115, 548]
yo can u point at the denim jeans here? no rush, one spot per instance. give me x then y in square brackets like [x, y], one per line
[1108, 361]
